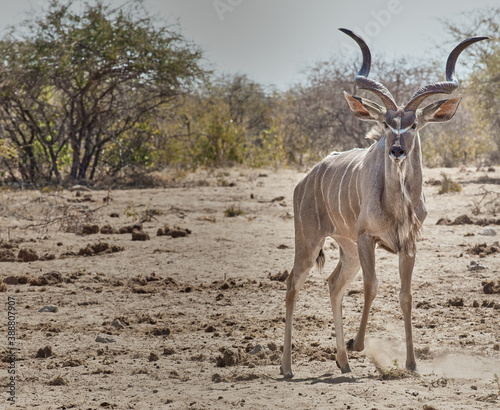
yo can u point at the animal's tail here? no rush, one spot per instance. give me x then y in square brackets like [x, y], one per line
[320, 260]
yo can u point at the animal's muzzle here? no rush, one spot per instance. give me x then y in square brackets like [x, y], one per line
[397, 152]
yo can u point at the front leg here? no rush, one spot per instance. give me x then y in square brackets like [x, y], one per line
[366, 250]
[406, 264]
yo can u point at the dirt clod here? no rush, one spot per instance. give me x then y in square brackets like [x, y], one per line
[280, 276]
[456, 302]
[99, 248]
[160, 331]
[140, 236]
[11, 280]
[50, 278]
[228, 358]
[108, 230]
[27, 255]
[89, 229]
[175, 232]
[153, 357]
[7, 255]
[491, 287]
[169, 351]
[43, 353]
[58, 381]
[130, 228]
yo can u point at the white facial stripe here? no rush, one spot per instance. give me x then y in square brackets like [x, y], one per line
[395, 131]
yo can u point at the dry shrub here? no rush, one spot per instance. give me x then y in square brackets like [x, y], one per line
[448, 185]
[232, 211]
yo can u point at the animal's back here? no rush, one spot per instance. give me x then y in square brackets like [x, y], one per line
[328, 199]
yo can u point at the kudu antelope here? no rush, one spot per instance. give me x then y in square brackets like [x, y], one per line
[367, 197]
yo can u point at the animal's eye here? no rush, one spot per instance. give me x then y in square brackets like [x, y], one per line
[385, 125]
[414, 126]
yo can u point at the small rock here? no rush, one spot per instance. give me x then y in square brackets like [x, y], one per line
[256, 349]
[117, 324]
[49, 308]
[475, 266]
[105, 339]
[488, 232]
[443, 221]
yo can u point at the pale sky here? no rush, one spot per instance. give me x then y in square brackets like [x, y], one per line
[273, 41]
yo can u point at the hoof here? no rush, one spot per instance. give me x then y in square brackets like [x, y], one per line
[412, 367]
[346, 369]
[350, 346]
[287, 375]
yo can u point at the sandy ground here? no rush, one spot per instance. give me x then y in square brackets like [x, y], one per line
[197, 321]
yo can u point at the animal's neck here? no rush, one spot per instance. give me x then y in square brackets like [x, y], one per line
[403, 181]
[402, 191]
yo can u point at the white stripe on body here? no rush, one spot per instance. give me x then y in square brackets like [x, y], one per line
[316, 200]
[329, 188]
[357, 189]
[301, 203]
[355, 168]
[340, 187]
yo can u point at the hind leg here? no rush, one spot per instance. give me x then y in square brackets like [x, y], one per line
[304, 260]
[338, 281]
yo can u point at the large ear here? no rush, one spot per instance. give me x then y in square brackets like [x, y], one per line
[364, 109]
[439, 111]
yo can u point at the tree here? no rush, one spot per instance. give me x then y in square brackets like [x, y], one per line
[483, 83]
[80, 81]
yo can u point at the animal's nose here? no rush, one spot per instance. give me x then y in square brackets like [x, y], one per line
[397, 151]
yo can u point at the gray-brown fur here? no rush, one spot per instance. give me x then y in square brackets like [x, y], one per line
[366, 197]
